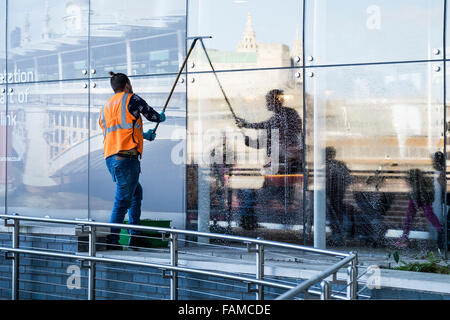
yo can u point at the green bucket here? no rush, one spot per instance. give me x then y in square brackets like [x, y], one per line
[153, 239]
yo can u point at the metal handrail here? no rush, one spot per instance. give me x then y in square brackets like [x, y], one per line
[347, 258]
[301, 288]
[179, 232]
[163, 267]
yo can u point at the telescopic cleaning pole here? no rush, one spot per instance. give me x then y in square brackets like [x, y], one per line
[181, 70]
[218, 82]
[215, 75]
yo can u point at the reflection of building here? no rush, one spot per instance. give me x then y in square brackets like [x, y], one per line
[250, 53]
[69, 128]
[245, 90]
[54, 46]
[52, 141]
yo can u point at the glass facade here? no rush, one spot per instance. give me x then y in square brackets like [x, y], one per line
[316, 122]
[367, 127]
[56, 56]
[349, 32]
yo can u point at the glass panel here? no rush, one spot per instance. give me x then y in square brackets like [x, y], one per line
[47, 165]
[368, 127]
[352, 31]
[245, 158]
[137, 37]
[5, 126]
[2, 41]
[162, 163]
[47, 39]
[260, 34]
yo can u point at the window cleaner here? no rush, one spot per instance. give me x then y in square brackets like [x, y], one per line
[121, 123]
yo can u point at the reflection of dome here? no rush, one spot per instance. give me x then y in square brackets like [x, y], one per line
[248, 41]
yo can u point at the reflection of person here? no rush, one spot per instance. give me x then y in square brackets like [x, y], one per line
[289, 125]
[247, 211]
[338, 178]
[439, 190]
[121, 122]
[421, 196]
[373, 206]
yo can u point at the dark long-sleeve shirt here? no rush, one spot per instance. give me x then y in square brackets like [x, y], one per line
[289, 124]
[138, 106]
[338, 178]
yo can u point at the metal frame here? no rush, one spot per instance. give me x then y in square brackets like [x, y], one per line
[444, 84]
[253, 245]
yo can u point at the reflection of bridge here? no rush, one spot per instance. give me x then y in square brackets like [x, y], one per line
[54, 142]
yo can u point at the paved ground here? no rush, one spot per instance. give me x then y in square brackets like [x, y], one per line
[281, 262]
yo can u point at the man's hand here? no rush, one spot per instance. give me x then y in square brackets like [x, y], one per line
[163, 116]
[240, 122]
[150, 135]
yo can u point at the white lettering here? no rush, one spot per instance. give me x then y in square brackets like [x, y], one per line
[252, 309]
[74, 280]
[18, 76]
[374, 19]
[189, 310]
[178, 151]
[374, 277]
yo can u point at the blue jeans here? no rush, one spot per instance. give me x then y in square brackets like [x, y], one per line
[247, 199]
[125, 173]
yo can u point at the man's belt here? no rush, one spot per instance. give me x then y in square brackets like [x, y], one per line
[129, 154]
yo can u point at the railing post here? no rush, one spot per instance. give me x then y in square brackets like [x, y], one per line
[325, 293]
[355, 275]
[92, 266]
[260, 270]
[174, 263]
[15, 261]
[350, 283]
[352, 279]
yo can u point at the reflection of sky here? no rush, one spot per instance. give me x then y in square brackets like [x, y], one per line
[225, 20]
[369, 29]
[33, 12]
[2, 19]
[405, 26]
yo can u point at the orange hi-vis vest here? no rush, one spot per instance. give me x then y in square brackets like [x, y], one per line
[121, 130]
